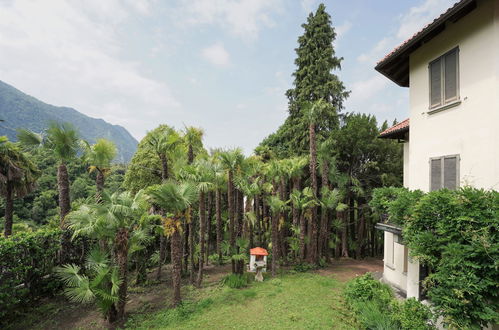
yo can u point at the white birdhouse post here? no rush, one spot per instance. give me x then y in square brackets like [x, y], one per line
[258, 262]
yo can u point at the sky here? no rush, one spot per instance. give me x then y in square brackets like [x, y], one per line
[223, 65]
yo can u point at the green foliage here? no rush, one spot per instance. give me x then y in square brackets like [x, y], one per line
[304, 267]
[394, 205]
[376, 308]
[455, 234]
[26, 268]
[236, 281]
[411, 314]
[366, 288]
[99, 284]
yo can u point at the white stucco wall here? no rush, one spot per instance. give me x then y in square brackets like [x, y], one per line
[470, 129]
[394, 264]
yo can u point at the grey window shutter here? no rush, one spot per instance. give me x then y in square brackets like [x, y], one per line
[450, 172]
[451, 76]
[435, 174]
[436, 83]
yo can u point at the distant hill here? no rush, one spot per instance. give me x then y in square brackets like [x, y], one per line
[19, 110]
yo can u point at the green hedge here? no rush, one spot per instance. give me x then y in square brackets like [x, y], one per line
[376, 308]
[454, 233]
[26, 264]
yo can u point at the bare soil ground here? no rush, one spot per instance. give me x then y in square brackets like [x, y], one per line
[58, 313]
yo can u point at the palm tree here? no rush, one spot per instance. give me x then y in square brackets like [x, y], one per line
[193, 141]
[17, 178]
[231, 161]
[62, 140]
[120, 220]
[165, 142]
[175, 200]
[219, 185]
[313, 114]
[99, 156]
[296, 165]
[303, 201]
[100, 283]
[277, 208]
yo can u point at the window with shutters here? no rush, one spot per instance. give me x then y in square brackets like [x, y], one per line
[444, 172]
[444, 79]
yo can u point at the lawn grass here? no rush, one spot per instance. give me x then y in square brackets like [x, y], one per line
[292, 301]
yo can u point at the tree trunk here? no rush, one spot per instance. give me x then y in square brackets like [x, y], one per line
[303, 229]
[275, 243]
[218, 211]
[230, 198]
[63, 185]
[9, 208]
[344, 235]
[360, 231]
[296, 212]
[209, 215]
[176, 250]
[121, 252]
[202, 234]
[99, 183]
[191, 239]
[164, 167]
[312, 251]
[323, 235]
[162, 255]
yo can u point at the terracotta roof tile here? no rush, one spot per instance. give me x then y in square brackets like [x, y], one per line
[403, 125]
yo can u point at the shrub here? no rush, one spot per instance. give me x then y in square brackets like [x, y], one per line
[26, 268]
[236, 281]
[304, 267]
[376, 308]
[455, 234]
[395, 205]
[366, 288]
[411, 314]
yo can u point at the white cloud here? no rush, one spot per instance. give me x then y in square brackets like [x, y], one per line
[68, 53]
[342, 29]
[216, 55]
[243, 18]
[308, 5]
[409, 23]
[364, 90]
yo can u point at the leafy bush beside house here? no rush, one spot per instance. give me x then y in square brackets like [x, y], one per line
[375, 307]
[455, 234]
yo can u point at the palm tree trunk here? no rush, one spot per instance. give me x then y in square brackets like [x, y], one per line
[9, 208]
[99, 183]
[63, 185]
[202, 234]
[344, 235]
[296, 212]
[218, 211]
[324, 230]
[303, 229]
[162, 255]
[209, 214]
[192, 266]
[360, 237]
[176, 250]
[275, 243]
[121, 252]
[230, 198]
[312, 251]
[164, 167]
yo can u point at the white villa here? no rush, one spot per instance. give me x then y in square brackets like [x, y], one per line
[451, 138]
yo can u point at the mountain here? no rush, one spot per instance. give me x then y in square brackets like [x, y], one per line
[19, 110]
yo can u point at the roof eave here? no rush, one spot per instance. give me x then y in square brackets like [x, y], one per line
[398, 60]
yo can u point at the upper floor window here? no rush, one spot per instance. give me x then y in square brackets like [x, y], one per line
[444, 79]
[444, 172]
